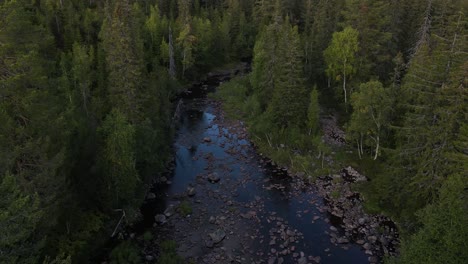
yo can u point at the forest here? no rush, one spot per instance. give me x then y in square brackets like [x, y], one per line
[88, 92]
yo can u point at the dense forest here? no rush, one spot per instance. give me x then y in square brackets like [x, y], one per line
[87, 93]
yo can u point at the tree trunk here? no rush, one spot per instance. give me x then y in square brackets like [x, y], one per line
[344, 84]
[362, 151]
[85, 105]
[358, 149]
[377, 141]
[172, 67]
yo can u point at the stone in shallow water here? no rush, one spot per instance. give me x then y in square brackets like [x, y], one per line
[302, 260]
[217, 236]
[213, 177]
[160, 219]
[151, 196]
[191, 191]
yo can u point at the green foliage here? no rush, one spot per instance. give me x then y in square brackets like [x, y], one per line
[263, 65]
[124, 64]
[235, 95]
[125, 252]
[147, 236]
[288, 105]
[371, 18]
[371, 105]
[169, 253]
[313, 113]
[118, 158]
[442, 238]
[85, 227]
[185, 208]
[317, 38]
[19, 217]
[86, 91]
[61, 259]
[340, 56]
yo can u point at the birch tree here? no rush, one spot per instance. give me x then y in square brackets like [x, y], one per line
[371, 107]
[340, 57]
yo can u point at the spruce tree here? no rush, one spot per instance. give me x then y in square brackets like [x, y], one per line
[123, 59]
[288, 106]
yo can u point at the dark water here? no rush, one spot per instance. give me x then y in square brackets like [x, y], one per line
[297, 207]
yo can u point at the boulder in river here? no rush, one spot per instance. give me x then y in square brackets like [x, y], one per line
[217, 236]
[160, 219]
[191, 191]
[302, 260]
[213, 177]
[151, 196]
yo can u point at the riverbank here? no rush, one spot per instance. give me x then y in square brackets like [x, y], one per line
[221, 201]
[225, 203]
[336, 182]
[376, 234]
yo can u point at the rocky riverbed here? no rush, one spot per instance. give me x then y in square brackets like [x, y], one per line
[222, 202]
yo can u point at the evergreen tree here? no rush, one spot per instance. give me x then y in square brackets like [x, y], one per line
[20, 216]
[433, 104]
[118, 160]
[123, 59]
[265, 62]
[288, 106]
[371, 19]
[82, 72]
[324, 24]
[442, 238]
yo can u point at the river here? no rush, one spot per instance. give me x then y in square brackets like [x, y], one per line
[225, 203]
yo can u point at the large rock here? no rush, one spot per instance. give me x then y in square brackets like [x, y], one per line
[160, 219]
[302, 260]
[191, 191]
[213, 177]
[170, 210]
[207, 139]
[217, 236]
